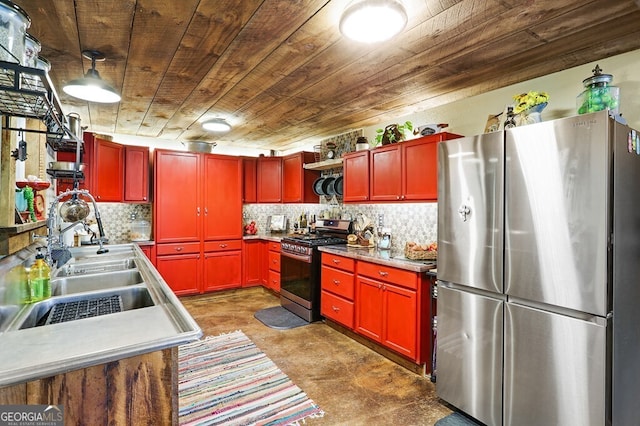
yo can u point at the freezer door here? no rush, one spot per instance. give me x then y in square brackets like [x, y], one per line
[555, 369]
[470, 211]
[469, 353]
[557, 221]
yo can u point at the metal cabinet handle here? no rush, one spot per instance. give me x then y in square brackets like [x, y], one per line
[198, 211]
[223, 245]
[335, 308]
[336, 282]
[178, 248]
[383, 273]
[336, 261]
[206, 211]
[274, 261]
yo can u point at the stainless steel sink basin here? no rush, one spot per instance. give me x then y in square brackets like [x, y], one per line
[94, 282]
[95, 266]
[6, 313]
[134, 297]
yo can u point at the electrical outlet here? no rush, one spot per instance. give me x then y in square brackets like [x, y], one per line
[381, 221]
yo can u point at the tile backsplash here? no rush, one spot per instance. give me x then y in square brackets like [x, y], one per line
[407, 221]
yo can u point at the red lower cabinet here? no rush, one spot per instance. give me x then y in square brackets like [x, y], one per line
[338, 291]
[181, 272]
[222, 265]
[253, 263]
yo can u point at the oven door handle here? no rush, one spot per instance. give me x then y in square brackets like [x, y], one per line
[301, 258]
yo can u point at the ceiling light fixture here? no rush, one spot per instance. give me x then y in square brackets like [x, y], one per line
[372, 21]
[218, 125]
[91, 87]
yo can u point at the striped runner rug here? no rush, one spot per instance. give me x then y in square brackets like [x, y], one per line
[227, 380]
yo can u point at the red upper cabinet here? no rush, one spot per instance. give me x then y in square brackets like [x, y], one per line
[297, 182]
[356, 176]
[406, 171]
[249, 180]
[222, 201]
[107, 171]
[136, 174]
[386, 172]
[177, 187]
[269, 180]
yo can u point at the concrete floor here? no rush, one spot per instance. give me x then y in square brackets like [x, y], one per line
[353, 384]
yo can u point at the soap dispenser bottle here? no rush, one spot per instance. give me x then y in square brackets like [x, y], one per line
[39, 279]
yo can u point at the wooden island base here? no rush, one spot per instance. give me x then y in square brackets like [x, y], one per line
[139, 390]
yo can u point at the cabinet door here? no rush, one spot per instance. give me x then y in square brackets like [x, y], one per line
[181, 272]
[222, 204]
[269, 180]
[249, 181]
[176, 196]
[369, 308]
[386, 172]
[400, 320]
[252, 263]
[108, 171]
[136, 174]
[356, 176]
[222, 270]
[296, 181]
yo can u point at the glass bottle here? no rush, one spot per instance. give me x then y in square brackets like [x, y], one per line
[598, 94]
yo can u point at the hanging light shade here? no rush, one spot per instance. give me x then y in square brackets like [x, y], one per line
[91, 87]
[372, 21]
[217, 125]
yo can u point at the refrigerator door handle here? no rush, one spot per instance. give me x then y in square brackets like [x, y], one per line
[464, 211]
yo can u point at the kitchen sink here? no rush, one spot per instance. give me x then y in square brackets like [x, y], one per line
[130, 298]
[75, 283]
[6, 313]
[96, 266]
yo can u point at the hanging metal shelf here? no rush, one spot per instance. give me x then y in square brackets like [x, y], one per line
[28, 92]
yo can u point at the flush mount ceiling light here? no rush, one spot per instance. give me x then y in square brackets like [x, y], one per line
[91, 87]
[218, 125]
[372, 21]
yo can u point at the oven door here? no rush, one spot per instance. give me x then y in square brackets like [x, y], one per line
[300, 284]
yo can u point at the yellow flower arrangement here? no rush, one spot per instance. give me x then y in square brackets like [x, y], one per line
[524, 101]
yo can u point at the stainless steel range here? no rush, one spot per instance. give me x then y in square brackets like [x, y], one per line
[300, 267]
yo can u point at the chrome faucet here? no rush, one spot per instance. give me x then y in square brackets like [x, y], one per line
[56, 248]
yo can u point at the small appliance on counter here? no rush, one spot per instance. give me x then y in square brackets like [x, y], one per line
[277, 223]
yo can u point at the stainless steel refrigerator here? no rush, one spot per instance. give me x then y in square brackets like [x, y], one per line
[539, 274]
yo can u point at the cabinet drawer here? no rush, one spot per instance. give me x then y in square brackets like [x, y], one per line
[337, 282]
[339, 262]
[397, 276]
[337, 309]
[177, 248]
[274, 246]
[223, 245]
[274, 261]
[274, 281]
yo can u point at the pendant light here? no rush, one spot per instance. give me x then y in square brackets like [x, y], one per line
[91, 87]
[372, 21]
[216, 125]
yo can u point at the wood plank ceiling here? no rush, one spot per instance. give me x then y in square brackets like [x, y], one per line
[280, 72]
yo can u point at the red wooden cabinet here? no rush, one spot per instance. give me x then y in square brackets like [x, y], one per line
[222, 265]
[338, 289]
[222, 198]
[181, 272]
[249, 181]
[297, 182]
[356, 176]
[269, 180]
[253, 263]
[388, 305]
[272, 277]
[107, 171]
[406, 171]
[177, 183]
[198, 203]
[136, 174]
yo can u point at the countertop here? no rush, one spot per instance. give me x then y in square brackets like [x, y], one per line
[381, 257]
[266, 236]
[39, 352]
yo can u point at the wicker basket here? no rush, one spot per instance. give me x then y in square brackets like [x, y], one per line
[420, 254]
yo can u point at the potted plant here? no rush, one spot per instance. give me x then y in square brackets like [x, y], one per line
[393, 133]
